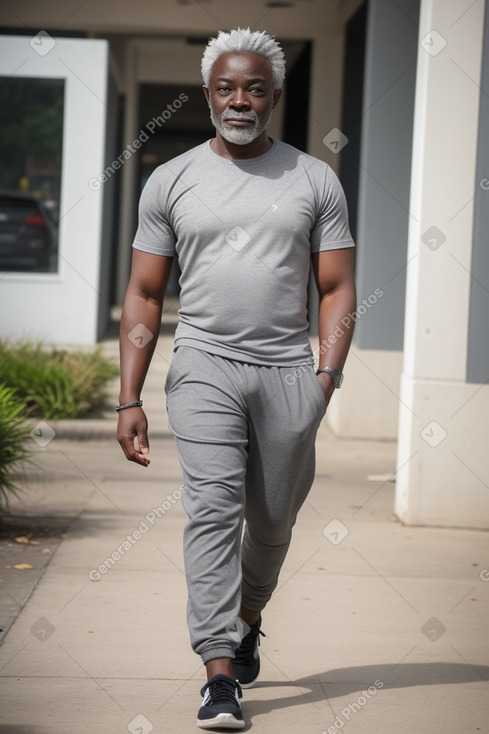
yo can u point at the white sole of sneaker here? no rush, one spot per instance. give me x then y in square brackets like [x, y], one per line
[248, 685]
[224, 721]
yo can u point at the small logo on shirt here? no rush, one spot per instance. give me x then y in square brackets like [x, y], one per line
[237, 238]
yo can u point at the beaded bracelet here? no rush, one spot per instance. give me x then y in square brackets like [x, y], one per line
[137, 403]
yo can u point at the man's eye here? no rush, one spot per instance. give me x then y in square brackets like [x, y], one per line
[223, 89]
[257, 90]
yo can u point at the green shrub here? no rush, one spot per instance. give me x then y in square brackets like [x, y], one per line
[13, 433]
[55, 384]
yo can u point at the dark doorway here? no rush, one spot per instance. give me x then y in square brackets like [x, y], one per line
[175, 118]
[297, 94]
[351, 115]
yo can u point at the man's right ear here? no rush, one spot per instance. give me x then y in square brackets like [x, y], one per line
[206, 94]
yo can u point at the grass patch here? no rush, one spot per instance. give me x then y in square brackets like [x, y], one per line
[53, 384]
[41, 382]
[14, 432]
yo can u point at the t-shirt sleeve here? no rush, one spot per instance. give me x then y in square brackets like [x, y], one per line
[331, 230]
[154, 233]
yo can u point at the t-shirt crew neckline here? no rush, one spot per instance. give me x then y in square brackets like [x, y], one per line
[241, 161]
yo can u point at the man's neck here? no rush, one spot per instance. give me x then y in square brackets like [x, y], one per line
[257, 147]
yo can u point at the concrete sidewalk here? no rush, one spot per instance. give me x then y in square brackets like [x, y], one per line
[375, 628]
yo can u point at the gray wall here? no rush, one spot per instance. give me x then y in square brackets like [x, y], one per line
[107, 263]
[478, 338]
[385, 167]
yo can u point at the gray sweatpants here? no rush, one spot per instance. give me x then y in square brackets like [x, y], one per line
[245, 436]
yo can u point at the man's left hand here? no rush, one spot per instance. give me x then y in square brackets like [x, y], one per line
[327, 386]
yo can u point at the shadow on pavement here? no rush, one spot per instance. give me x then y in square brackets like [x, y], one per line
[353, 681]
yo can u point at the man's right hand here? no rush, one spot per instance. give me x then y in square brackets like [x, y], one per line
[141, 315]
[133, 424]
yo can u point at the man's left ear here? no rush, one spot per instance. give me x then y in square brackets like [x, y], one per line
[276, 96]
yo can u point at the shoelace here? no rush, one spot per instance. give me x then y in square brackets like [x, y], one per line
[222, 690]
[248, 644]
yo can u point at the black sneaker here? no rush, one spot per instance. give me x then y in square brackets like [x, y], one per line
[246, 661]
[220, 708]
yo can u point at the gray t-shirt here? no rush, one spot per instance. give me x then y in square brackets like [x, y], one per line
[244, 231]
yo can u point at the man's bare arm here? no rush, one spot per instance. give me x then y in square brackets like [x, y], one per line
[334, 275]
[141, 317]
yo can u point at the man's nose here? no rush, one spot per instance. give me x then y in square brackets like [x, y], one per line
[239, 99]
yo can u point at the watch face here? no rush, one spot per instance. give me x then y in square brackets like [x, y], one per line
[336, 375]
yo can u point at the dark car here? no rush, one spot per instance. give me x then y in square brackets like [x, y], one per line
[28, 234]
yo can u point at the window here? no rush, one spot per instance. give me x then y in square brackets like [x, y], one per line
[31, 138]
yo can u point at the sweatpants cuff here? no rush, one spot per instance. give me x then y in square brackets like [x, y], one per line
[257, 605]
[217, 652]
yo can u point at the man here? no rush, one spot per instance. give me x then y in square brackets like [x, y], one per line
[244, 213]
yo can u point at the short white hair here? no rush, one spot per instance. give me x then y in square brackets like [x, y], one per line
[243, 40]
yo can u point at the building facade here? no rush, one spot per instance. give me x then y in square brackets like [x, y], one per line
[393, 95]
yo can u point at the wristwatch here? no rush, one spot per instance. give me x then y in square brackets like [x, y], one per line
[336, 375]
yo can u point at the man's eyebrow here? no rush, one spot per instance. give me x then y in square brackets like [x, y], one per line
[250, 81]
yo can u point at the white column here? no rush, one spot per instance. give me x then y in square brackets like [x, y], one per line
[443, 476]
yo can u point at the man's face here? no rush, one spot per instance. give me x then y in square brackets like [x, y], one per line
[241, 96]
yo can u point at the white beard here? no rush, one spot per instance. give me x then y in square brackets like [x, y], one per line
[240, 135]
